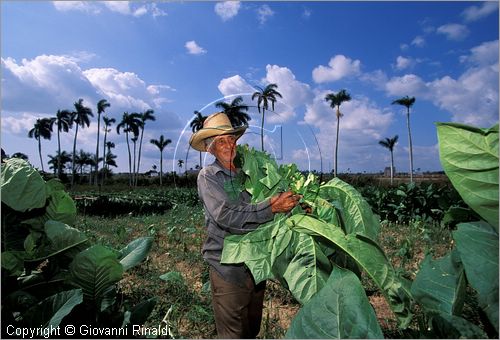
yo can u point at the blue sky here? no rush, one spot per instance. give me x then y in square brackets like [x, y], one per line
[177, 57]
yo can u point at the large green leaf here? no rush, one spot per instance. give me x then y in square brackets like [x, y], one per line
[340, 310]
[469, 157]
[135, 252]
[477, 243]
[61, 237]
[440, 284]
[22, 186]
[49, 312]
[307, 270]
[446, 326]
[94, 270]
[258, 249]
[61, 208]
[368, 255]
[356, 213]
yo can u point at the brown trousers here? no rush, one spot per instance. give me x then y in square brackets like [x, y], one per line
[238, 311]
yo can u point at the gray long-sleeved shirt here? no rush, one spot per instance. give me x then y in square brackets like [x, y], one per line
[224, 216]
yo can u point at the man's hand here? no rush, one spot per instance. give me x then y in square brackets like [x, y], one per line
[284, 202]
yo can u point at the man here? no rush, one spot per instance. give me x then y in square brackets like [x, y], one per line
[236, 300]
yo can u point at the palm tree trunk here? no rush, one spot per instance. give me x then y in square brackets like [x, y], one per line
[139, 157]
[161, 167]
[336, 143]
[262, 130]
[410, 144]
[104, 154]
[97, 150]
[200, 160]
[58, 154]
[129, 161]
[40, 151]
[392, 166]
[73, 158]
[133, 173]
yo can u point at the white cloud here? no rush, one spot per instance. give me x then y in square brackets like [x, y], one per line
[339, 67]
[46, 82]
[484, 54]
[264, 12]
[454, 31]
[193, 48]
[83, 6]
[472, 98]
[227, 9]
[409, 84]
[235, 85]
[475, 13]
[361, 127]
[306, 13]
[294, 92]
[121, 7]
[418, 41]
[403, 63]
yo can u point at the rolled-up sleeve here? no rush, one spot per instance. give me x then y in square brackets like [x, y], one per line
[233, 216]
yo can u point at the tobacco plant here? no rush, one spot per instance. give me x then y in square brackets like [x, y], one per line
[51, 274]
[317, 256]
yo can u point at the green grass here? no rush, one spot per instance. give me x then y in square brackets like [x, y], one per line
[178, 237]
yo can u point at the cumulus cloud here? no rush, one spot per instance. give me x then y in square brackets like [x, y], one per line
[45, 82]
[82, 6]
[193, 48]
[362, 125]
[294, 92]
[264, 12]
[475, 13]
[454, 31]
[227, 9]
[418, 41]
[409, 84]
[121, 7]
[472, 98]
[235, 85]
[339, 67]
[50, 82]
[403, 63]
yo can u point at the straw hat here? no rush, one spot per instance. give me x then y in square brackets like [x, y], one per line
[216, 124]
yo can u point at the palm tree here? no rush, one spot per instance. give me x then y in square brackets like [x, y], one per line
[109, 146]
[83, 159]
[408, 102]
[58, 162]
[197, 124]
[101, 107]
[130, 123]
[134, 140]
[110, 160]
[389, 143]
[264, 96]
[81, 117]
[235, 111]
[335, 101]
[63, 122]
[161, 144]
[145, 116]
[107, 123]
[42, 129]
[180, 162]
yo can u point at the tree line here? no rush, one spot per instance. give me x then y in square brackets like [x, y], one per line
[133, 125]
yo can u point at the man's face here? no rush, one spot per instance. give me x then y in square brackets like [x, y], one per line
[224, 148]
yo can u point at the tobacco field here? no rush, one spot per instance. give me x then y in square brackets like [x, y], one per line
[413, 260]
